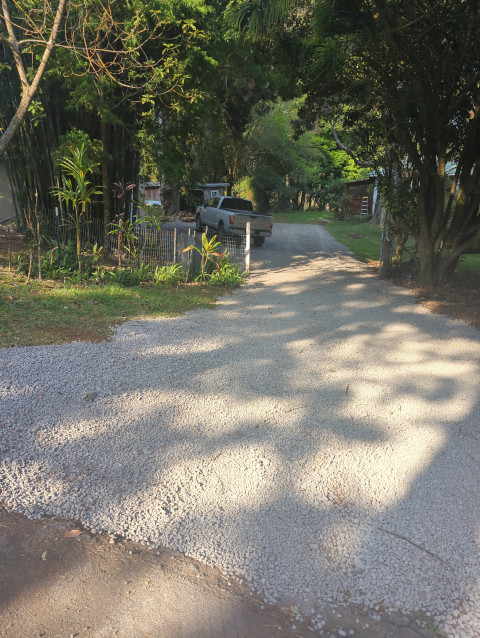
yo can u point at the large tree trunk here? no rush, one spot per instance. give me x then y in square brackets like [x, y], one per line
[386, 262]
[426, 261]
[175, 201]
[447, 267]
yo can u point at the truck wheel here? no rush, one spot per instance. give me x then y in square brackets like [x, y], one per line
[259, 241]
[221, 232]
[198, 224]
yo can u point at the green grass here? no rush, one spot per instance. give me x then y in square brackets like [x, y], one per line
[366, 249]
[300, 217]
[42, 313]
[469, 265]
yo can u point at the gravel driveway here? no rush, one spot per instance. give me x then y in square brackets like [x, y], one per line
[317, 432]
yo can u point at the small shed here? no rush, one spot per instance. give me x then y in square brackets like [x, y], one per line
[152, 191]
[360, 196]
[214, 190]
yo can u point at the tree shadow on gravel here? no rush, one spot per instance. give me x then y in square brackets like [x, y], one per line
[326, 418]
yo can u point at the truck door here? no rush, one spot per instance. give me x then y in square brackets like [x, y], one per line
[210, 217]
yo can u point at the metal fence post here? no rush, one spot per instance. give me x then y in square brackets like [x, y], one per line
[437, 266]
[247, 249]
[57, 226]
[175, 246]
[381, 254]
[193, 251]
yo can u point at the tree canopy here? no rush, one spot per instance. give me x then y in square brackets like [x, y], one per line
[285, 99]
[404, 74]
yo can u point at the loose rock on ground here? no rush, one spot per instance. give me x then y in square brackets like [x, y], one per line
[317, 434]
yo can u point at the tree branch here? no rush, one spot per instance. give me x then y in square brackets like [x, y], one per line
[13, 44]
[28, 90]
[349, 151]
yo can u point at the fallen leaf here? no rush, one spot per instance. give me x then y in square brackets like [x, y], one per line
[44, 556]
[132, 333]
[10, 297]
[137, 296]
[39, 394]
[15, 320]
[72, 533]
[38, 479]
[1, 423]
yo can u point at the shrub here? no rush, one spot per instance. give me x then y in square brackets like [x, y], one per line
[169, 275]
[226, 274]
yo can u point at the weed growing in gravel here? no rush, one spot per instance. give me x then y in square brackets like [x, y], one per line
[435, 628]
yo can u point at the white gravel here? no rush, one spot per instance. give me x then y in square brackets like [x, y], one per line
[296, 435]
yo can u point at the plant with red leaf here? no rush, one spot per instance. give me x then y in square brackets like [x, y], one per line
[120, 191]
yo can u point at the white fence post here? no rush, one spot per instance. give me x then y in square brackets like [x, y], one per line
[247, 250]
[175, 246]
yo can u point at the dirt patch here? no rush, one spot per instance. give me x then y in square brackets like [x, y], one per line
[90, 586]
[93, 585]
[460, 301]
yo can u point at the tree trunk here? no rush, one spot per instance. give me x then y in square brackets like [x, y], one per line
[377, 215]
[15, 122]
[447, 268]
[105, 182]
[175, 201]
[386, 263]
[79, 244]
[401, 238]
[28, 90]
[302, 200]
[426, 261]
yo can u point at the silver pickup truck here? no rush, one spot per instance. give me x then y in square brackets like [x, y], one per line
[229, 216]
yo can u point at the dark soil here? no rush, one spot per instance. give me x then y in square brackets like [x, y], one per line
[89, 587]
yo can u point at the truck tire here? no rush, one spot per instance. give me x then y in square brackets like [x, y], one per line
[259, 241]
[198, 224]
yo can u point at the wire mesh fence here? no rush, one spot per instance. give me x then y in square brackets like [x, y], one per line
[51, 234]
[449, 270]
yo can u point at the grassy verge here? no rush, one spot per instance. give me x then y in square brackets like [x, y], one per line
[300, 217]
[366, 248]
[43, 313]
[469, 265]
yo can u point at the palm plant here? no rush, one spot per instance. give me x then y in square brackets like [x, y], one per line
[77, 191]
[207, 252]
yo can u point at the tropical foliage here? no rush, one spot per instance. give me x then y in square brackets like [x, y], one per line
[286, 169]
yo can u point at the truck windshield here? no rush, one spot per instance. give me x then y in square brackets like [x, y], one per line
[236, 203]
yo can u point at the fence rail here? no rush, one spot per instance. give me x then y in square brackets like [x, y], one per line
[48, 233]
